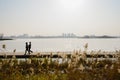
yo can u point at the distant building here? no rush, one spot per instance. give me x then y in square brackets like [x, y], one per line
[1, 36]
[67, 35]
[23, 36]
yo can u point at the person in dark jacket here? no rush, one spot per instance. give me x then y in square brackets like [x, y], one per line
[29, 48]
[26, 48]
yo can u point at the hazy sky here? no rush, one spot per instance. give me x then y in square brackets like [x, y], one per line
[54, 17]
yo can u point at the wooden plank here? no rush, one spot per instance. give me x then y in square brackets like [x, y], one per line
[55, 56]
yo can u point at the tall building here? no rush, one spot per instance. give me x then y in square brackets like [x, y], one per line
[71, 35]
[1, 36]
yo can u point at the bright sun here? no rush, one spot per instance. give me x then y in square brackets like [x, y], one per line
[71, 4]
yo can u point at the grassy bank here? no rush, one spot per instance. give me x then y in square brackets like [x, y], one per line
[76, 67]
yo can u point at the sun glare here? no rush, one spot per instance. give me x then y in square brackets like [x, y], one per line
[71, 4]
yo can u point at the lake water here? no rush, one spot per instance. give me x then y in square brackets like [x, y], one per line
[62, 44]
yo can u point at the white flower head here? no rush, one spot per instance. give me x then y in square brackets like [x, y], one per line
[81, 67]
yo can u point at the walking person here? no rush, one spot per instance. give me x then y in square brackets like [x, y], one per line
[26, 48]
[29, 48]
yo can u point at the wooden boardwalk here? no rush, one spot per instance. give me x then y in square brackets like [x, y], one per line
[48, 54]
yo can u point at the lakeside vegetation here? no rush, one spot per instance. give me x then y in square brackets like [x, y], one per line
[77, 67]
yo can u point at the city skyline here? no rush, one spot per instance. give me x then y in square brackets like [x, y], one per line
[54, 17]
[63, 35]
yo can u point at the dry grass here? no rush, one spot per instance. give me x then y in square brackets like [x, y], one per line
[78, 67]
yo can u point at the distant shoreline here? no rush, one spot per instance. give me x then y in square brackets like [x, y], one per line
[5, 39]
[62, 36]
[58, 37]
[69, 38]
